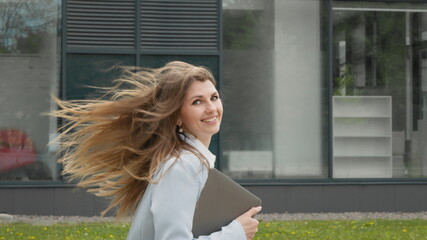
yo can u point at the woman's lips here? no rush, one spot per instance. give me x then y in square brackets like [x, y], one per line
[211, 120]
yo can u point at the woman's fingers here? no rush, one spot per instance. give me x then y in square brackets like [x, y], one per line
[254, 211]
[250, 225]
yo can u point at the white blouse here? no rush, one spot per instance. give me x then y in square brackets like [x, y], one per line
[166, 210]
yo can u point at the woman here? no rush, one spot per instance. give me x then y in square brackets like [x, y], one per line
[147, 148]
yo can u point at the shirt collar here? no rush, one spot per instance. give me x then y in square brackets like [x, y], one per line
[199, 146]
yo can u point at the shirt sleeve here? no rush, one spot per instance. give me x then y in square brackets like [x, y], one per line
[174, 201]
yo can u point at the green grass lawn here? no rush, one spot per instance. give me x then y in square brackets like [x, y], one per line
[348, 230]
[319, 230]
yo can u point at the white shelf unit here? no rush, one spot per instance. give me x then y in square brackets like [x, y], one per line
[362, 137]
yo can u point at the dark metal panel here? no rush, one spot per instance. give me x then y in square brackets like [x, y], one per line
[76, 28]
[101, 9]
[188, 22]
[183, 22]
[6, 201]
[38, 201]
[218, 162]
[276, 199]
[411, 198]
[73, 202]
[99, 3]
[201, 46]
[100, 24]
[341, 198]
[208, 14]
[182, 4]
[182, 8]
[174, 36]
[176, 28]
[93, 38]
[330, 62]
[88, 42]
[62, 83]
[190, 25]
[138, 34]
[176, 39]
[304, 199]
[377, 198]
[100, 50]
[104, 31]
[273, 198]
[100, 204]
[102, 17]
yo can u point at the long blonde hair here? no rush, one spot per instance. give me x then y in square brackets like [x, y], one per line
[113, 147]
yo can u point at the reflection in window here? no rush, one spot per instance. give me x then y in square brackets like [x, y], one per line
[86, 70]
[247, 88]
[27, 26]
[29, 69]
[380, 84]
[272, 90]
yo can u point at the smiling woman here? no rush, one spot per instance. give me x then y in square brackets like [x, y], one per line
[201, 111]
[148, 145]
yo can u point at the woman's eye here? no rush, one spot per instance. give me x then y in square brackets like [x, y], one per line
[214, 98]
[197, 102]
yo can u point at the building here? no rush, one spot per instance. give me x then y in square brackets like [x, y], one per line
[325, 100]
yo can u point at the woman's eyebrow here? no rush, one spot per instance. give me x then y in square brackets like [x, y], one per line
[201, 96]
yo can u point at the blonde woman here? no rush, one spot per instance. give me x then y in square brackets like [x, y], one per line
[147, 149]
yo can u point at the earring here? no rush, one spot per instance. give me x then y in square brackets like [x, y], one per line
[180, 130]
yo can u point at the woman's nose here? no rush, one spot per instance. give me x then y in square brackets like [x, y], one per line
[210, 106]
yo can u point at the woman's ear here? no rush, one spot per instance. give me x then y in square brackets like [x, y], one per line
[179, 124]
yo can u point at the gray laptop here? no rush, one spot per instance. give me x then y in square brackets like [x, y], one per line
[221, 201]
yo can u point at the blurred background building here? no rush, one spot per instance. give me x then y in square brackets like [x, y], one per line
[325, 100]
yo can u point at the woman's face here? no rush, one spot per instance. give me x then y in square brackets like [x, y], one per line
[201, 111]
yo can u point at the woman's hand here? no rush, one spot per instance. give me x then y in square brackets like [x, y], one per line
[250, 225]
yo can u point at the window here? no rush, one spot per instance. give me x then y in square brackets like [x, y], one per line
[97, 70]
[380, 90]
[29, 63]
[274, 90]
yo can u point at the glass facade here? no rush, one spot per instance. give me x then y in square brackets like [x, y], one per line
[286, 117]
[274, 89]
[379, 90]
[29, 66]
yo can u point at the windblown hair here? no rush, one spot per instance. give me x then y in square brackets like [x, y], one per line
[114, 147]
